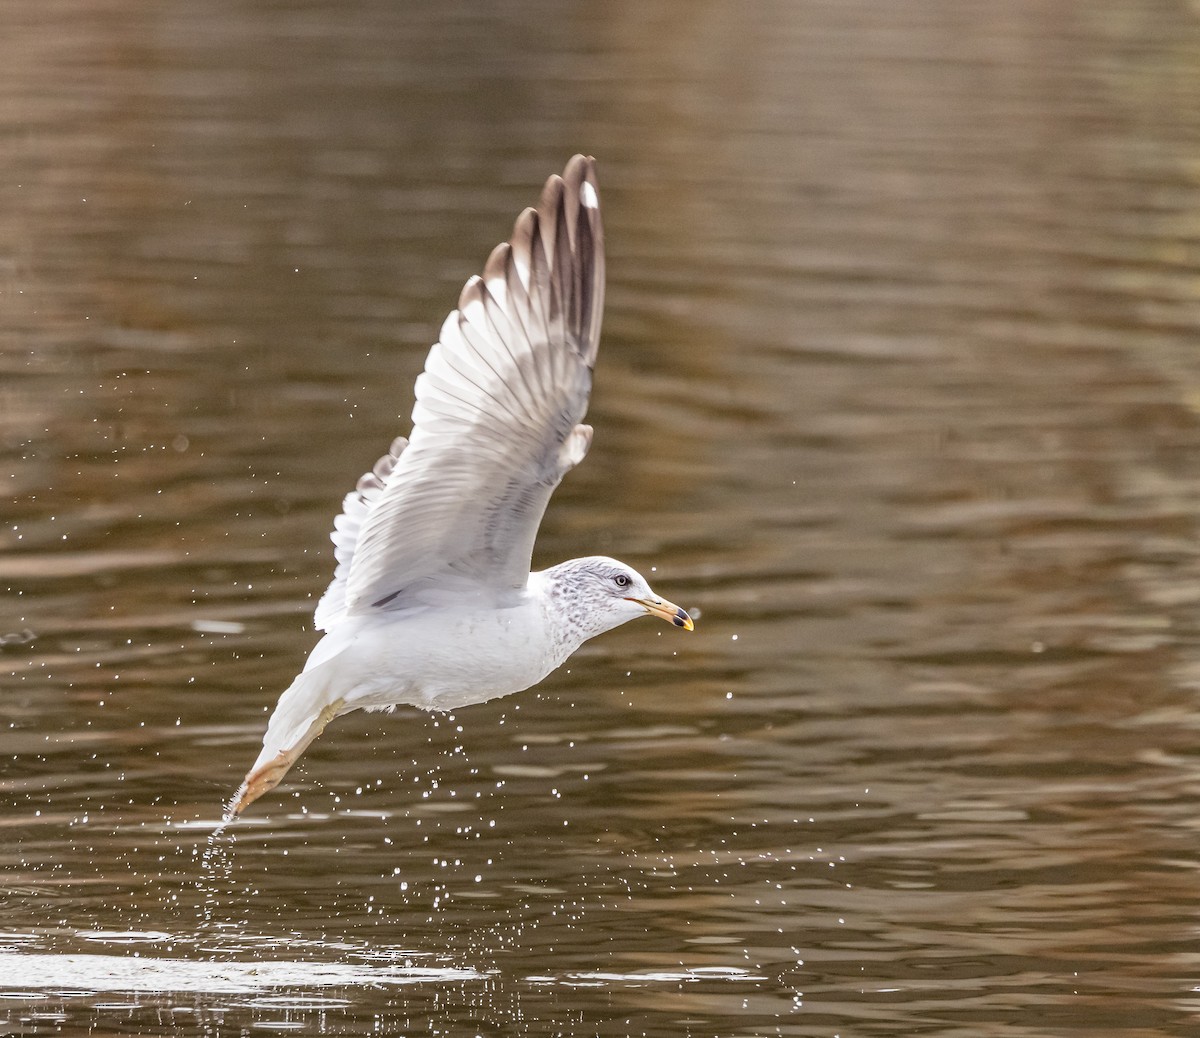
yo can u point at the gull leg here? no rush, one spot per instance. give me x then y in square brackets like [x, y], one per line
[266, 777]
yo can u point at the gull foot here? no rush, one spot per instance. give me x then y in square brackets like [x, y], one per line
[265, 777]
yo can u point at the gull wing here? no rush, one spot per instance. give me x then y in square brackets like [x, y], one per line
[496, 420]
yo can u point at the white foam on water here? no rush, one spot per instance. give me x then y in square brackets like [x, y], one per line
[688, 975]
[31, 973]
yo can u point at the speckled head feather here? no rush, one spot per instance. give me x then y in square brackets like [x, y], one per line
[589, 596]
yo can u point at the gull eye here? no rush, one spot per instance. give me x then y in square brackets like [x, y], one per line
[621, 580]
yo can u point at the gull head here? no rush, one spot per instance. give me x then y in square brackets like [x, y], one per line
[593, 595]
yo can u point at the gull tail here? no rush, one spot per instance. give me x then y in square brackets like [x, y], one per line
[300, 716]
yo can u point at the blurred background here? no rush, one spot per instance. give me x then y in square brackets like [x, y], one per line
[899, 389]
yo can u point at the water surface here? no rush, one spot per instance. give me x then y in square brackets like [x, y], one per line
[898, 388]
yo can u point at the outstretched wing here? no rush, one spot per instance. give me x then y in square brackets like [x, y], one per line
[496, 421]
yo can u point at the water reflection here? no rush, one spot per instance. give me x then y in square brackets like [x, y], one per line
[898, 387]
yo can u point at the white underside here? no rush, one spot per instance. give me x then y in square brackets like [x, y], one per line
[435, 659]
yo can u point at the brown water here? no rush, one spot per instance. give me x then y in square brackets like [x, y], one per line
[900, 388]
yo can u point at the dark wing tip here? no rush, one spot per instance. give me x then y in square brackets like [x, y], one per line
[472, 292]
[572, 235]
[579, 171]
[496, 266]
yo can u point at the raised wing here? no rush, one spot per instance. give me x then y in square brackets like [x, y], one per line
[496, 421]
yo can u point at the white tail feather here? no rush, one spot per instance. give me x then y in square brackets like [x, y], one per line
[295, 712]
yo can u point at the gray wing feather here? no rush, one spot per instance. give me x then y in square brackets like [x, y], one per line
[346, 528]
[496, 419]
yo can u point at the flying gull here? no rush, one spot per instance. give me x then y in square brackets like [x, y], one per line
[433, 603]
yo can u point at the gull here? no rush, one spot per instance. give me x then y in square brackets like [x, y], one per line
[432, 602]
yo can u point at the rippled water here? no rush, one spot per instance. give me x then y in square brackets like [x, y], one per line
[899, 389]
